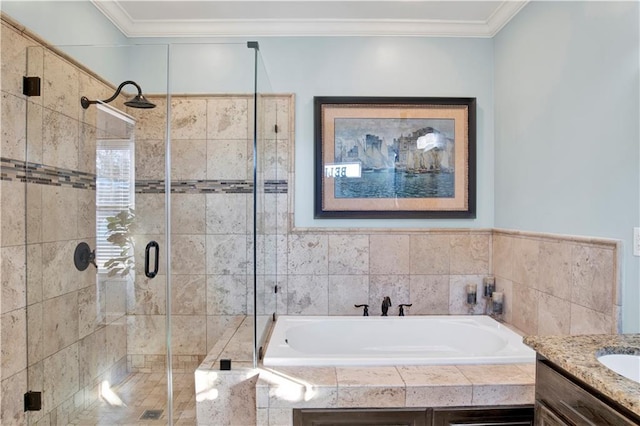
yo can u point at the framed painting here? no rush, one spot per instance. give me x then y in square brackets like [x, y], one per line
[395, 157]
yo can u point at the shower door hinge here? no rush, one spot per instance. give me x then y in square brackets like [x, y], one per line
[31, 86]
[33, 401]
[275, 128]
[275, 289]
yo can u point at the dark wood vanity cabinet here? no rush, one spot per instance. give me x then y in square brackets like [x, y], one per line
[363, 417]
[476, 416]
[562, 400]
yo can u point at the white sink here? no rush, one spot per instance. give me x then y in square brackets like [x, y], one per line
[626, 365]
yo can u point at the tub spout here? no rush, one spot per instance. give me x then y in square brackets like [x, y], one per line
[386, 304]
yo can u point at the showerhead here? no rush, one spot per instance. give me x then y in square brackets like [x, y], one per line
[138, 101]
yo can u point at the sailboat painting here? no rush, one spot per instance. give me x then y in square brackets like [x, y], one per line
[416, 156]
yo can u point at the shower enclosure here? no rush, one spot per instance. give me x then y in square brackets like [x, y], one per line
[170, 213]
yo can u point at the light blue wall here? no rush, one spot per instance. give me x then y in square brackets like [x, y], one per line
[567, 149]
[77, 22]
[377, 66]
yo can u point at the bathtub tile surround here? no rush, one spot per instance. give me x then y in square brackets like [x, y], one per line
[443, 386]
[397, 387]
[558, 285]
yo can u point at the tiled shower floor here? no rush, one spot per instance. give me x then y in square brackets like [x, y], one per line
[141, 392]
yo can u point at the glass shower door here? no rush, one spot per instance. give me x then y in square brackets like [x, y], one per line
[96, 325]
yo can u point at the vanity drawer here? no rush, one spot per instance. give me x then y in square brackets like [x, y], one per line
[574, 404]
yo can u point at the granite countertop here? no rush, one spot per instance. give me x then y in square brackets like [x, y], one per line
[577, 356]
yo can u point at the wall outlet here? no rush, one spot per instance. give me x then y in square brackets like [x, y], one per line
[636, 241]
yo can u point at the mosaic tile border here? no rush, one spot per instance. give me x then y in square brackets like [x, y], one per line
[22, 171]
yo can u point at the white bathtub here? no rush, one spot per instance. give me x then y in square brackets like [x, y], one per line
[410, 340]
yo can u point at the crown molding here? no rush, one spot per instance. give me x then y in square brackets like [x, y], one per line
[306, 27]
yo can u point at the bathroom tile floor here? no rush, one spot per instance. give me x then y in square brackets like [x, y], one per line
[140, 392]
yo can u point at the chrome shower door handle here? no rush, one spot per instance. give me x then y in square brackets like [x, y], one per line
[147, 271]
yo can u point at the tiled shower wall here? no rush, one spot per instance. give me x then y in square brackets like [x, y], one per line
[76, 328]
[211, 222]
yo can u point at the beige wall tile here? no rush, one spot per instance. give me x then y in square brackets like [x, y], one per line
[188, 254]
[92, 360]
[227, 118]
[12, 195]
[308, 254]
[593, 278]
[228, 159]
[60, 86]
[148, 296]
[227, 213]
[13, 352]
[13, 109]
[273, 159]
[35, 340]
[188, 159]
[429, 386]
[307, 295]
[61, 376]
[503, 395]
[188, 118]
[554, 315]
[34, 213]
[348, 254]
[14, 51]
[188, 294]
[145, 334]
[429, 295]
[35, 132]
[226, 254]
[526, 261]
[86, 200]
[588, 321]
[226, 295]
[345, 291]
[150, 212]
[503, 256]
[86, 146]
[60, 138]
[470, 254]
[150, 157]
[524, 308]
[13, 266]
[189, 334]
[60, 207]
[430, 254]
[280, 417]
[366, 396]
[555, 269]
[188, 214]
[12, 402]
[60, 325]
[91, 312]
[388, 254]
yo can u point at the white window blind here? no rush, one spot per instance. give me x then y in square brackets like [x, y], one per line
[115, 179]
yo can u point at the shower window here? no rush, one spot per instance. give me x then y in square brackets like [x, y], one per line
[115, 177]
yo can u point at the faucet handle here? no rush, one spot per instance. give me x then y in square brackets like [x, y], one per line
[365, 312]
[401, 310]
